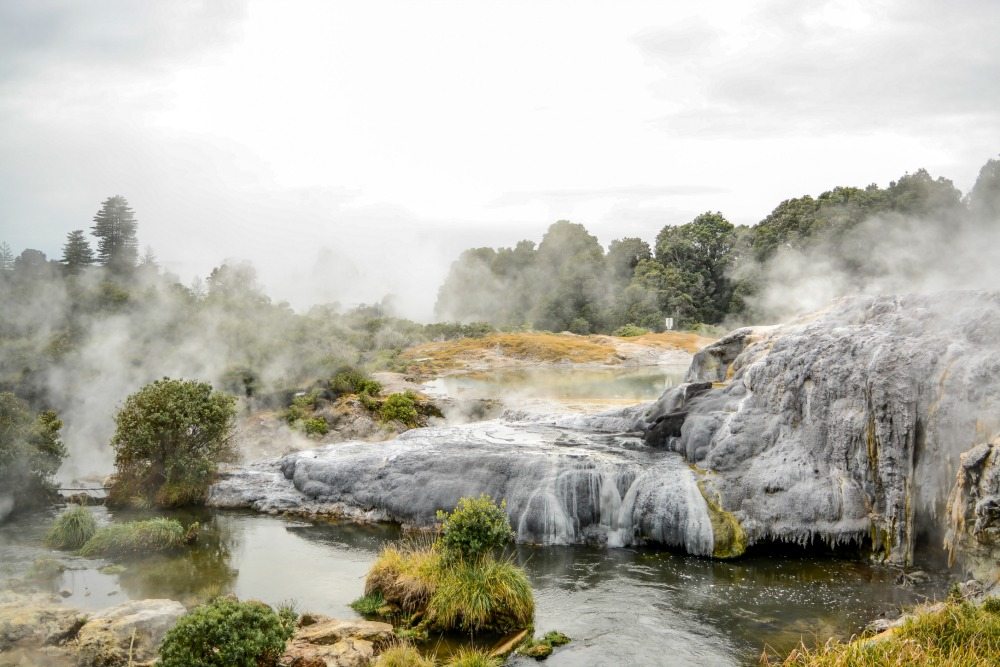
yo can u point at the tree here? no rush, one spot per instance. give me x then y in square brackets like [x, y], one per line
[984, 198]
[30, 454]
[115, 229]
[77, 253]
[169, 439]
[6, 257]
[701, 253]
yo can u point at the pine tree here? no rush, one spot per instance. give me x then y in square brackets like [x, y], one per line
[6, 257]
[115, 226]
[77, 253]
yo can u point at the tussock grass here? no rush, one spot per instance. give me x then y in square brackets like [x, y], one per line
[485, 594]
[468, 657]
[960, 634]
[136, 538]
[368, 605]
[71, 529]
[405, 575]
[403, 655]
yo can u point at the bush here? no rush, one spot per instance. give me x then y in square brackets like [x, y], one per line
[403, 655]
[484, 594]
[228, 633]
[72, 529]
[170, 437]
[30, 453]
[353, 381]
[400, 408]
[138, 538]
[316, 426]
[580, 326]
[476, 526]
[630, 330]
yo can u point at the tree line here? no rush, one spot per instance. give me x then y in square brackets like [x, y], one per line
[706, 271]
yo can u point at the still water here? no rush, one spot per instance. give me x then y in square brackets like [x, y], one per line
[620, 606]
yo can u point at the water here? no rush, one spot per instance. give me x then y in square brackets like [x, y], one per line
[576, 388]
[620, 606]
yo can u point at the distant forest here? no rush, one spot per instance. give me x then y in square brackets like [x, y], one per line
[709, 271]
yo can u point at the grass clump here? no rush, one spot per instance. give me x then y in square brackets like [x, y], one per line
[403, 655]
[952, 635]
[71, 529]
[485, 594]
[470, 657]
[368, 605]
[228, 633]
[405, 576]
[136, 538]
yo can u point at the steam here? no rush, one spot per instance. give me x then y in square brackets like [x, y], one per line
[885, 254]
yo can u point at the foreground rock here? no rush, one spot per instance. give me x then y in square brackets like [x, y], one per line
[330, 642]
[844, 427]
[35, 621]
[127, 634]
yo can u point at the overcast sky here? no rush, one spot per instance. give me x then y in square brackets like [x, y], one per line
[350, 149]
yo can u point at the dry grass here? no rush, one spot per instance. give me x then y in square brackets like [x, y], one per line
[406, 576]
[402, 655]
[521, 346]
[960, 634]
[673, 340]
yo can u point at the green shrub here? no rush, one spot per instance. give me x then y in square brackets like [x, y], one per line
[403, 655]
[71, 529]
[479, 595]
[476, 526]
[316, 426]
[368, 605]
[228, 633]
[170, 437]
[137, 538]
[400, 407]
[30, 453]
[470, 657]
[353, 381]
[630, 330]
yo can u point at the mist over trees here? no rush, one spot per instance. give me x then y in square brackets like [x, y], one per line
[708, 271]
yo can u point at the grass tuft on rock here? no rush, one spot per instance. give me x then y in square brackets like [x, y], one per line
[470, 657]
[72, 529]
[956, 634]
[136, 538]
[368, 605]
[403, 655]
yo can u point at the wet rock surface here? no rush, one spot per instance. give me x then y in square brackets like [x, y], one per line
[844, 426]
[329, 642]
[129, 633]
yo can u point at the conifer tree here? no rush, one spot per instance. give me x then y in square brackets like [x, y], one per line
[77, 253]
[6, 257]
[115, 226]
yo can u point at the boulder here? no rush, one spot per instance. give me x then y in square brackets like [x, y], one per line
[32, 621]
[331, 631]
[127, 634]
[348, 652]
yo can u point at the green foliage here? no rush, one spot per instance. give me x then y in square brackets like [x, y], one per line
[316, 426]
[137, 538]
[401, 407]
[71, 529]
[115, 229]
[30, 453]
[228, 633]
[354, 381]
[77, 254]
[477, 526]
[484, 594]
[472, 657]
[368, 605]
[630, 330]
[170, 437]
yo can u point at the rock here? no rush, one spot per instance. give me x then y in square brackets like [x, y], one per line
[27, 621]
[129, 633]
[974, 512]
[331, 631]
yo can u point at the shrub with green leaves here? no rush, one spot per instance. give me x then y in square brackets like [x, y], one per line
[353, 381]
[316, 426]
[401, 407]
[629, 330]
[170, 437]
[30, 453]
[476, 526]
[228, 633]
[138, 538]
[72, 529]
